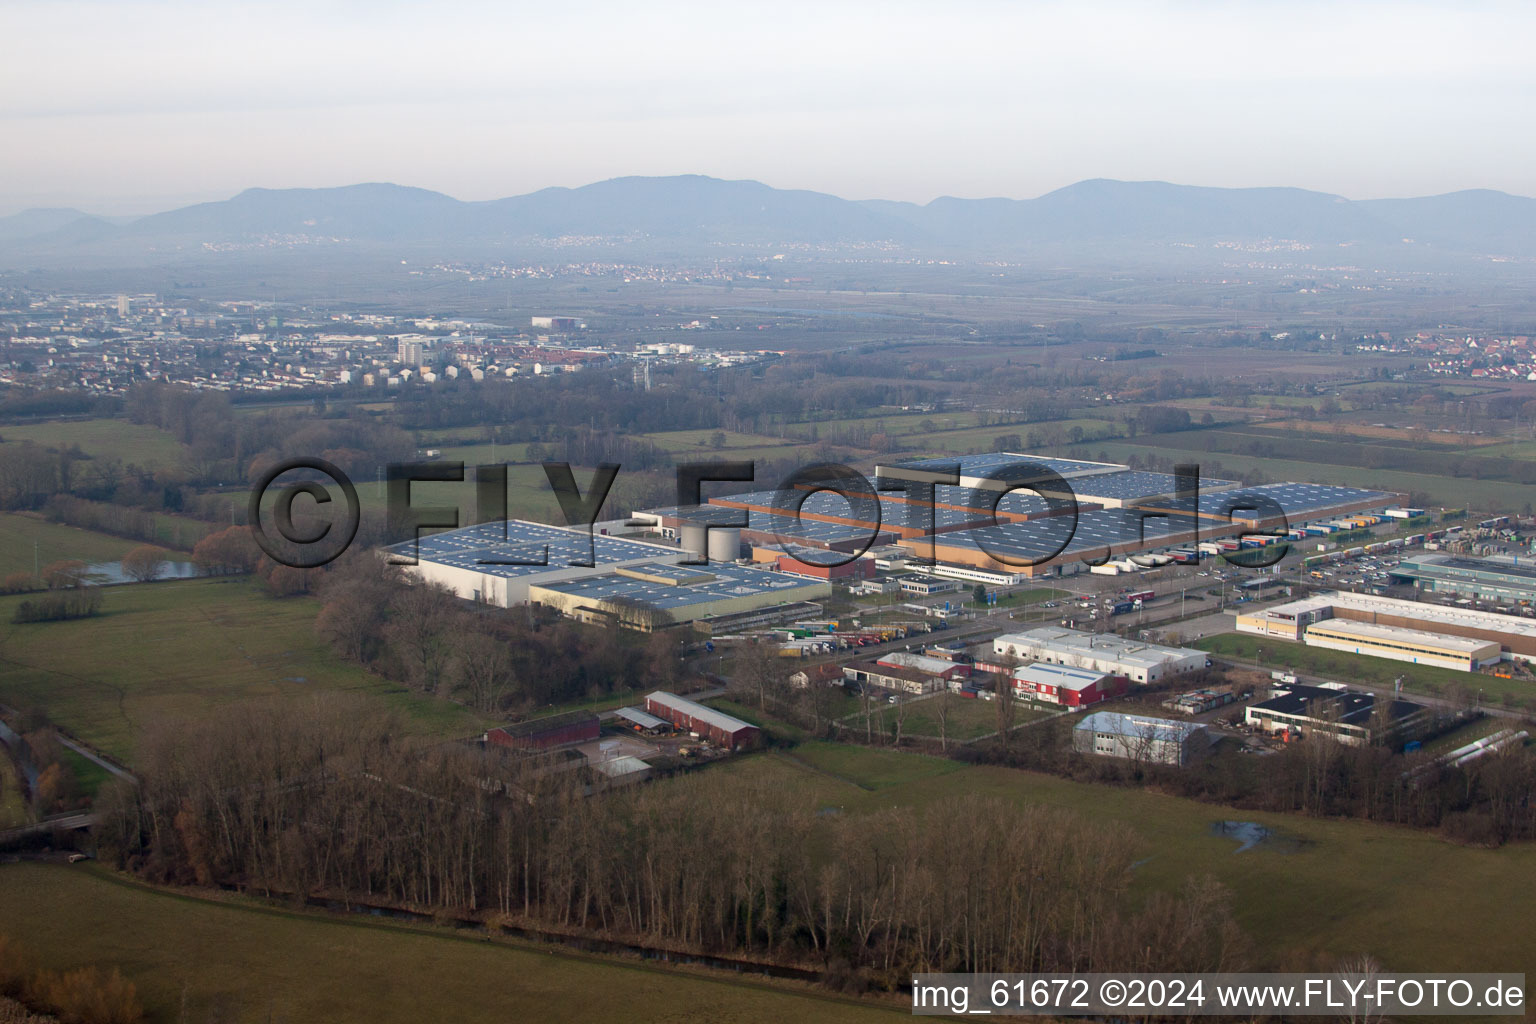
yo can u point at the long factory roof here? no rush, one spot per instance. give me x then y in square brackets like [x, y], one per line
[1106, 646]
[1095, 530]
[1296, 501]
[483, 548]
[984, 463]
[1451, 567]
[1349, 707]
[786, 526]
[1374, 631]
[1422, 611]
[699, 712]
[714, 582]
[887, 511]
[1133, 484]
[1063, 676]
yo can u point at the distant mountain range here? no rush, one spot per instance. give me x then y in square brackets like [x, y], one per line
[693, 209]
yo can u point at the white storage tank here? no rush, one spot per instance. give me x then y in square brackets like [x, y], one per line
[724, 545]
[694, 541]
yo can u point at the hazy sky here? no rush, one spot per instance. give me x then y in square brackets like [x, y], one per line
[130, 107]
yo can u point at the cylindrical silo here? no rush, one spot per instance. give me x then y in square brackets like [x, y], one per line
[724, 545]
[694, 541]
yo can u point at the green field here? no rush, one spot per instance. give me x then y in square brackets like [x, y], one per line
[869, 768]
[134, 443]
[1343, 666]
[979, 439]
[769, 723]
[1031, 596]
[528, 493]
[88, 774]
[232, 961]
[27, 542]
[175, 649]
[1330, 889]
[695, 441]
[896, 423]
[968, 718]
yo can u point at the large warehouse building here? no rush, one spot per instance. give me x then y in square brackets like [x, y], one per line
[1004, 520]
[1140, 738]
[1504, 580]
[650, 597]
[715, 726]
[1069, 687]
[1099, 652]
[1401, 644]
[1413, 631]
[1359, 719]
[546, 733]
[998, 525]
[496, 563]
[632, 583]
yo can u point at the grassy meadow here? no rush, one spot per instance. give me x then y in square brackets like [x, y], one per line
[177, 649]
[235, 962]
[1324, 890]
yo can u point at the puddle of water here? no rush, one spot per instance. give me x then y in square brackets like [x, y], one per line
[1250, 834]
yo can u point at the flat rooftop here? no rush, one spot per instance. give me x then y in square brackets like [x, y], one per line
[1420, 611]
[487, 547]
[1139, 727]
[1297, 502]
[1099, 645]
[1095, 529]
[886, 511]
[714, 582]
[1133, 484]
[983, 464]
[1349, 707]
[1455, 567]
[787, 527]
[1372, 631]
[1060, 676]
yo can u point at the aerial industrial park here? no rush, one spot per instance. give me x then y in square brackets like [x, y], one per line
[918, 586]
[617, 513]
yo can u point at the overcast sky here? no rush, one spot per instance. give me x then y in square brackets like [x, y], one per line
[131, 107]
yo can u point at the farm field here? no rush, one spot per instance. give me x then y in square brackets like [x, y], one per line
[1359, 668]
[134, 443]
[231, 961]
[53, 542]
[1325, 889]
[896, 423]
[1483, 495]
[703, 440]
[176, 649]
[979, 439]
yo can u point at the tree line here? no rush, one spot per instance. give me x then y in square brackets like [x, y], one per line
[324, 798]
[500, 661]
